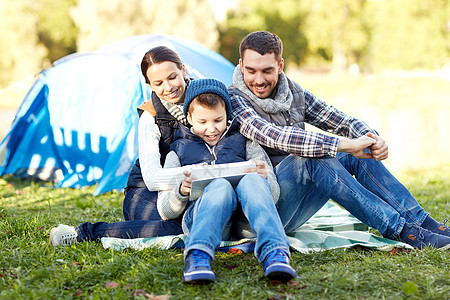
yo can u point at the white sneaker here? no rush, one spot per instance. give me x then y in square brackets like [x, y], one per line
[63, 235]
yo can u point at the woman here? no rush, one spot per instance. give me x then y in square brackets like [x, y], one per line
[159, 118]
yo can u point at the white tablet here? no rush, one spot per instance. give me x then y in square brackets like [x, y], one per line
[203, 175]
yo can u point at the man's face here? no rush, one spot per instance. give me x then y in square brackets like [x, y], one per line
[260, 72]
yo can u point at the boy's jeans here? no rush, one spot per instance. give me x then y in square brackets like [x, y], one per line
[205, 218]
[376, 197]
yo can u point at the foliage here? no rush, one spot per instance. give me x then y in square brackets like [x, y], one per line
[410, 34]
[20, 53]
[373, 34]
[31, 269]
[377, 34]
[285, 18]
[105, 21]
[55, 28]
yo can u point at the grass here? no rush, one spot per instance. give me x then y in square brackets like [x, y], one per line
[31, 269]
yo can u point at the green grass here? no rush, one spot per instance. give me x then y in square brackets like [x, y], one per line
[31, 269]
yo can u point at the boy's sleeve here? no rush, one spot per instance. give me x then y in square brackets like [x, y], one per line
[256, 152]
[171, 204]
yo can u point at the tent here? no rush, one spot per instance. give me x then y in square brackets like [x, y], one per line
[77, 125]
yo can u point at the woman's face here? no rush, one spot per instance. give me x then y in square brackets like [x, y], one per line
[167, 81]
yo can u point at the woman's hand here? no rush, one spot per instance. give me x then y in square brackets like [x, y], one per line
[260, 168]
[185, 187]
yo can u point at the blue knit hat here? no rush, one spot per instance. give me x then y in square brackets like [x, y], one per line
[203, 86]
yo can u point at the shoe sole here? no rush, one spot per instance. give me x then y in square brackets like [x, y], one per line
[52, 233]
[199, 277]
[446, 247]
[280, 273]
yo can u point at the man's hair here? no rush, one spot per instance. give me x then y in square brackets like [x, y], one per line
[158, 55]
[208, 100]
[262, 42]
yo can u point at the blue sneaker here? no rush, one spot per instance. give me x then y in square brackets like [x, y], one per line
[420, 238]
[198, 268]
[276, 266]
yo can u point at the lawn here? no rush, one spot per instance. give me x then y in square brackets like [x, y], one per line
[31, 269]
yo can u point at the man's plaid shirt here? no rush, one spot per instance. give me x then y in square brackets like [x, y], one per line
[296, 140]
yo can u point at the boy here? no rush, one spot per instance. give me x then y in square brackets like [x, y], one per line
[210, 140]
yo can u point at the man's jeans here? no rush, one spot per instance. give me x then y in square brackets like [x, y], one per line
[376, 197]
[142, 220]
[205, 218]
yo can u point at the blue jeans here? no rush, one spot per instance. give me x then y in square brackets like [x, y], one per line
[206, 217]
[142, 220]
[376, 197]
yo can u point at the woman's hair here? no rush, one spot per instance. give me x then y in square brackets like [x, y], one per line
[158, 55]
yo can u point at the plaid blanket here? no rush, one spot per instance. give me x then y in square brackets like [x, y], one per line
[330, 228]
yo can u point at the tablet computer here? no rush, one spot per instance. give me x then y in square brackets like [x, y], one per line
[203, 175]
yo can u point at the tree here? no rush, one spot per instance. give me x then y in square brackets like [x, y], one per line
[105, 21]
[410, 34]
[20, 52]
[55, 28]
[337, 30]
[284, 18]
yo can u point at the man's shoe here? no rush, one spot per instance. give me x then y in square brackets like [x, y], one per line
[443, 229]
[63, 235]
[198, 268]
[436, 227]
[420, 238]
[276, 266]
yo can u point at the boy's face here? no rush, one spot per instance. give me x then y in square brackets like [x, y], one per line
[209, 123]
[260, 72]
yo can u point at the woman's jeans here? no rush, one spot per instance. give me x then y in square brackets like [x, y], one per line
[142, 220]
[376, 197]
[205, 218]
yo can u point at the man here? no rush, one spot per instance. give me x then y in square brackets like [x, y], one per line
[313, 167]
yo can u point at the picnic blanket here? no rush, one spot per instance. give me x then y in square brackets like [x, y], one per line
[330, 228]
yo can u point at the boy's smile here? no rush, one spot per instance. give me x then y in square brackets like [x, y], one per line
[209, 123]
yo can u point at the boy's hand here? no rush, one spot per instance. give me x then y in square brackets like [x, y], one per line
[185, 187]
[260, 168]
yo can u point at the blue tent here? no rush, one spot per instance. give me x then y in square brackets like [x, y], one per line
[77, 125]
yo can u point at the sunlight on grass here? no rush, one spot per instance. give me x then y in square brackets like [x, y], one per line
[31, 269]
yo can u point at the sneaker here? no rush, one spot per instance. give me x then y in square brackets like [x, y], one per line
[63, 235]
[443, 229]
[198, 268]
[420, 238]
[276, 266]
[436, 227]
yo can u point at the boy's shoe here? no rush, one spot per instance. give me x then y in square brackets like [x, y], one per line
[276, 266]
[198, 268]
[63, 235]
[420, 238]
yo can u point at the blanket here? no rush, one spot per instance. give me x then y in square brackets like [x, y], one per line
[330, 228]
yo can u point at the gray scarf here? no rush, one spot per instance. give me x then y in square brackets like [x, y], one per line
[283, 98]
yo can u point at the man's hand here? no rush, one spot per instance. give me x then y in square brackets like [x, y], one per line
[185, 187]
[356, 147]
[379, 150]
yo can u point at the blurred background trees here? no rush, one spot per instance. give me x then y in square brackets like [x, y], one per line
[410, 109]
[371, 35]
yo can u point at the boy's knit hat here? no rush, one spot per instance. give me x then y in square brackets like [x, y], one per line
[203, 86]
